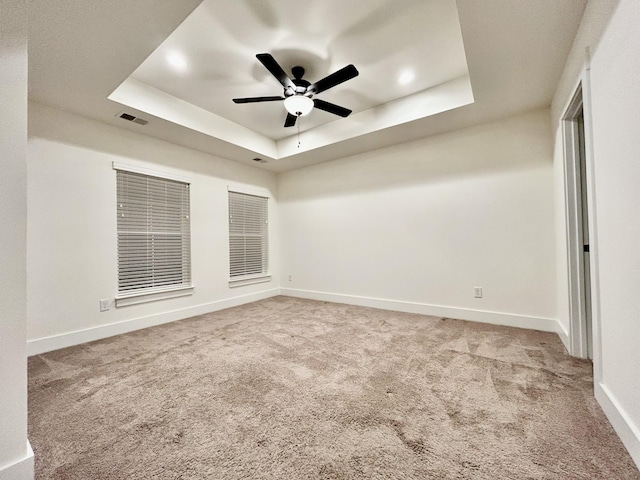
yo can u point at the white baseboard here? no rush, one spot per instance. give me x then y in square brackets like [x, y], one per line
[628, 432]
[564, 336]
[495, 318]
[55, 342]
[21, 469]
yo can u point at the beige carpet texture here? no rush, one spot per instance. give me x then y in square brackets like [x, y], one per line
[291, 389]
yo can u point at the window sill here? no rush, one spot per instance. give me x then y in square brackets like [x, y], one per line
[242, 281]
[143, 297]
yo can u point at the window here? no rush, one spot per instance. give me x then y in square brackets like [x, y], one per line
[248, 239]
[154, 241]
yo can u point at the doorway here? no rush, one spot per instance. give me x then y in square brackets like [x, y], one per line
[578, 244]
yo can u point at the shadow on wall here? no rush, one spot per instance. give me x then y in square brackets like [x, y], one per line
[513, 144]
[63, 127]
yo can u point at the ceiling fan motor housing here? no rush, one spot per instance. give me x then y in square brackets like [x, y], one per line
[301, 86]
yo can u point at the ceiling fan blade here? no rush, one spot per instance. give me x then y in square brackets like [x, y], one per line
[290, 121]
[276, 70]
[256, 99]
[336, 78]
[331, 108]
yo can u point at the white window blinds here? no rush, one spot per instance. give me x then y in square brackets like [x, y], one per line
[248, 236]
[154, 241]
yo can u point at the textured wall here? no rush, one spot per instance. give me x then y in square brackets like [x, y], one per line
[72, 224]
[608, 34]
[426, 221]
[615, 87]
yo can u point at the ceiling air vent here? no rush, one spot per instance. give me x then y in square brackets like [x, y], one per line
[132, 118]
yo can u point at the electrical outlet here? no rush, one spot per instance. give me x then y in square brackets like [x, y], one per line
[477, 292]
[104, 304]
[290, 278]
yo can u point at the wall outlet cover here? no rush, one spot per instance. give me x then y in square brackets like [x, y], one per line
[104, 305]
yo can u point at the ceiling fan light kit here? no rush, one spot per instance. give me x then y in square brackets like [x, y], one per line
[298, 93]
[298, 105]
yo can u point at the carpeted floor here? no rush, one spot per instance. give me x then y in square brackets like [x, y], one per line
[297, 389]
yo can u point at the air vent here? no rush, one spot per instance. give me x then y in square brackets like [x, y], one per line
[132, 118]
[259, 160]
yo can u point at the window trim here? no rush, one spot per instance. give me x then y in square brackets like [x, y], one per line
[167, 175]
[123, 299]
[249, 280]
[126, 299]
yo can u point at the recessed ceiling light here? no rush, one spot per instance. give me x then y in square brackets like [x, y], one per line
[406, 77]
[177, 61]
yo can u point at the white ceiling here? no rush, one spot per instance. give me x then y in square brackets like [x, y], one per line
[331, 34]
[473, 61]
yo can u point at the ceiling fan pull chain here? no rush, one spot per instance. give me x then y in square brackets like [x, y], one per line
[298, 124]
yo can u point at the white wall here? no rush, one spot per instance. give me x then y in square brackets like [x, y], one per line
[416, 226]
[613, 99]
[72, 261]
[16, 458]
[594, 21]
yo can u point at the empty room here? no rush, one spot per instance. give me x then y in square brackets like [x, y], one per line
[393, 239]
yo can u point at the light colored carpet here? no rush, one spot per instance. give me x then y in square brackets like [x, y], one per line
[298, 389]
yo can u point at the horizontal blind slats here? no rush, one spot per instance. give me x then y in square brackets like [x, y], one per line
[154, 239]
[248, 234]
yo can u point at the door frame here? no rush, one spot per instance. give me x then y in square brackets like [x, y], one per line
[578, 338]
